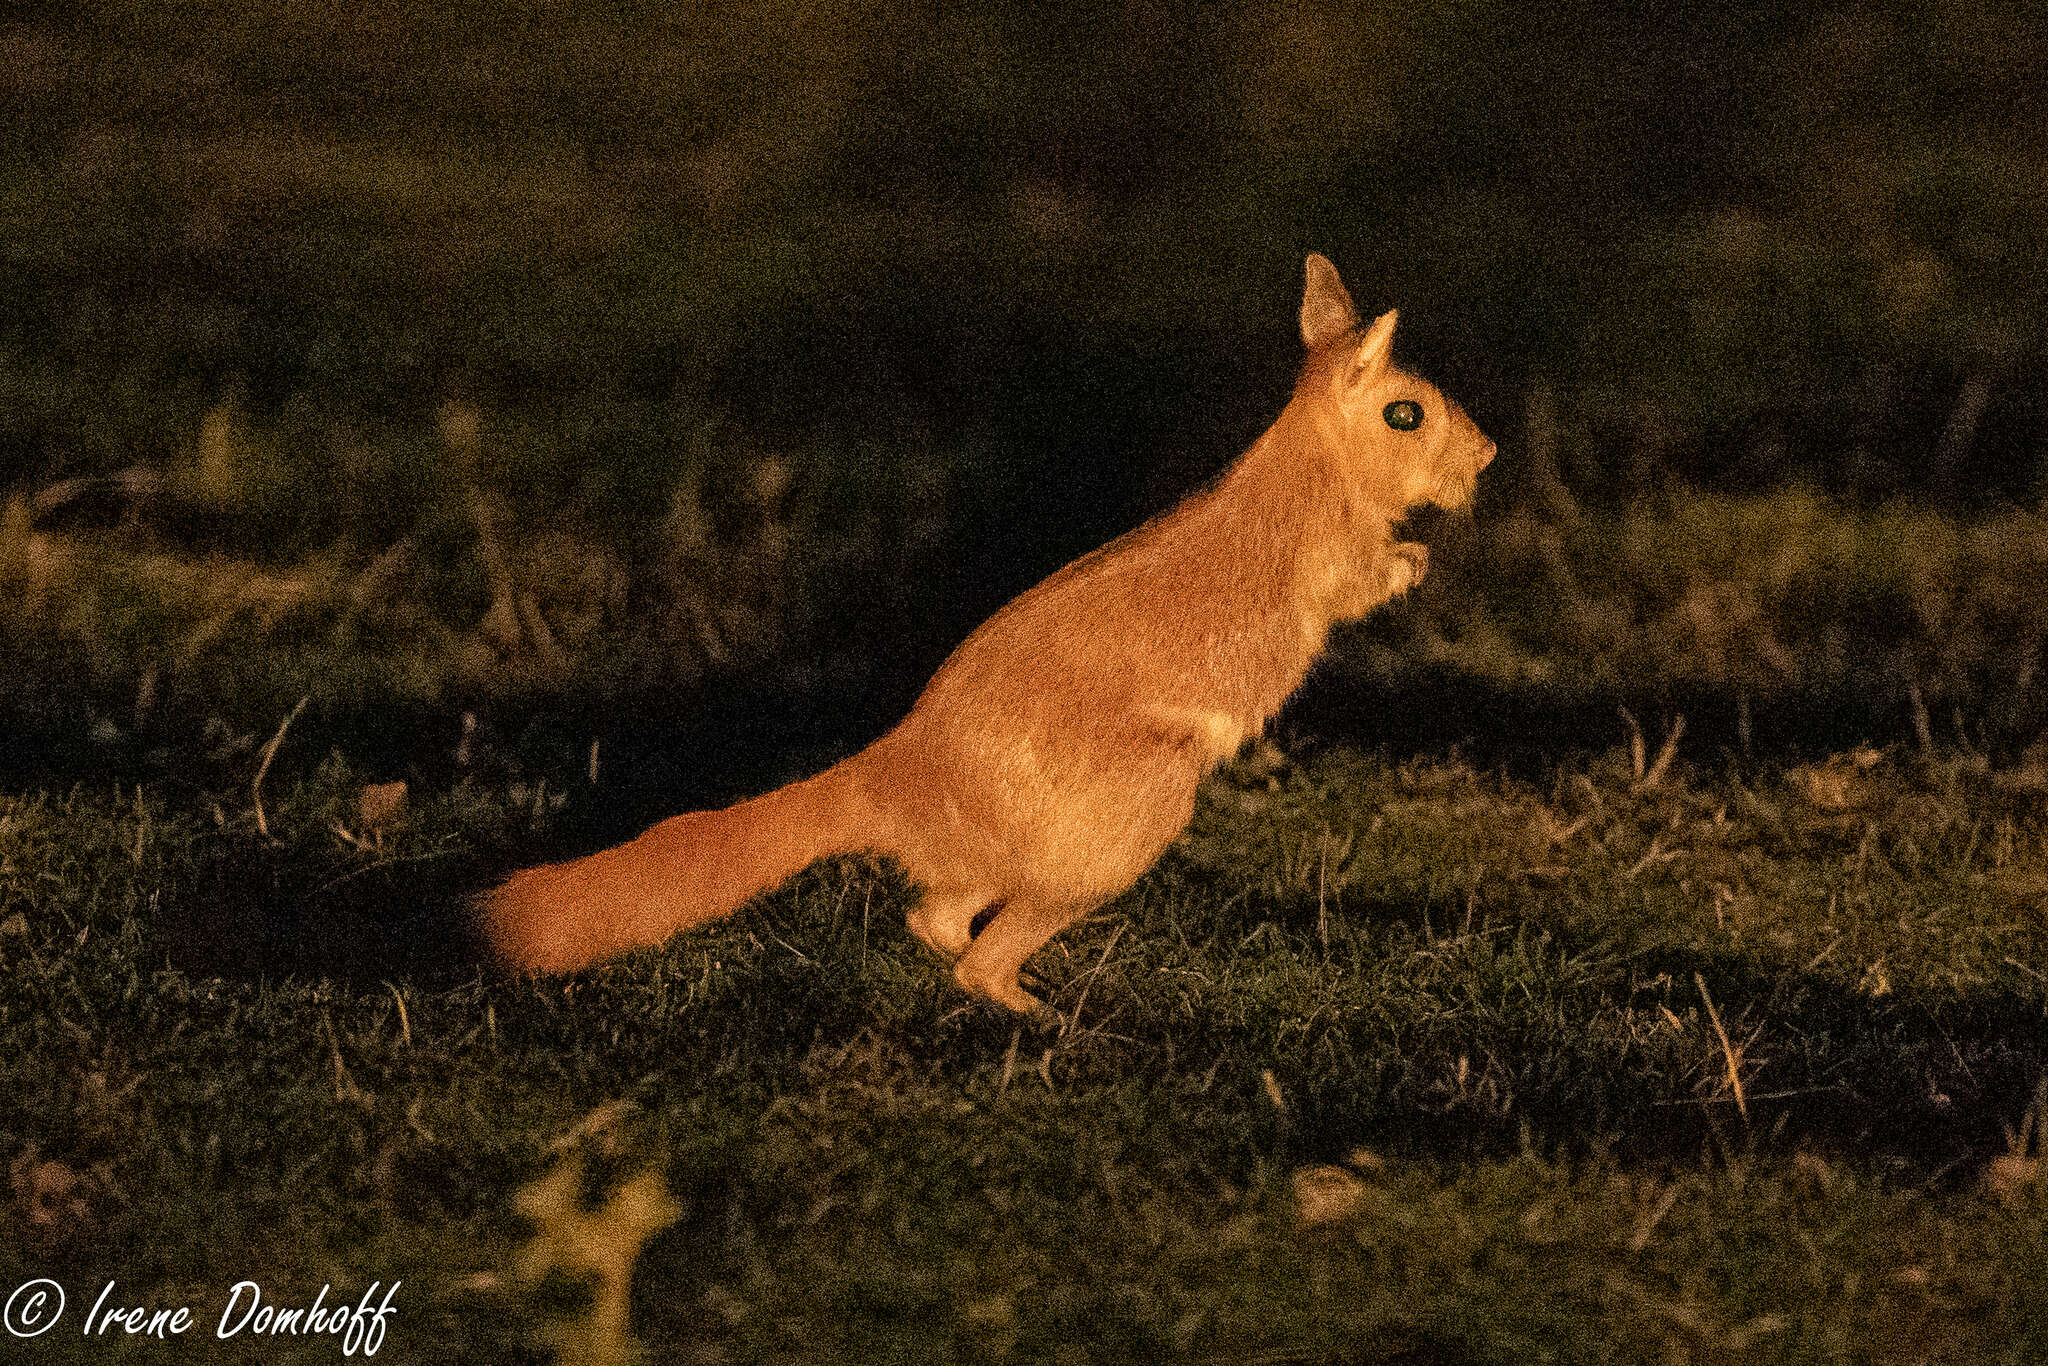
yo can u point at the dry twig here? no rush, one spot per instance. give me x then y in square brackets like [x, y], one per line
[262, 768]
[1665, 755]
[1728, 1050]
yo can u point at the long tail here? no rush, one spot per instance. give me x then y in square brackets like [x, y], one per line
[683, 872]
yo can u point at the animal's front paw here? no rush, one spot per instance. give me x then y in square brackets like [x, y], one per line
[1408, 562]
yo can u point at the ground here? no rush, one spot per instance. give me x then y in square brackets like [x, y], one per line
[1385, 1061]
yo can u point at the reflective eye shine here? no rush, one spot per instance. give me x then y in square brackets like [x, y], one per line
[1403, 415]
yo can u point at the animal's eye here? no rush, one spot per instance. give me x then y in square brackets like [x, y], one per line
[1403, 415]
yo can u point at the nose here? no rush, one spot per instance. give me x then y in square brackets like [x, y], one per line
[1486, 455]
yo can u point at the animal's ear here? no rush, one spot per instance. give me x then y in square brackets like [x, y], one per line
[1376, 352]
[1326, 310]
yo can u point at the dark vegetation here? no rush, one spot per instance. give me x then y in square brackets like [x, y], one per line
[643, 351]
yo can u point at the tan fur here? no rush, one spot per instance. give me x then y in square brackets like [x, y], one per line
[1056, 753]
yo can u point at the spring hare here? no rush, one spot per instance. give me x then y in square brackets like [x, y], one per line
[1056, 753]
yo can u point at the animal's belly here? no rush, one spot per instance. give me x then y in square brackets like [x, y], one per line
[1084, 814]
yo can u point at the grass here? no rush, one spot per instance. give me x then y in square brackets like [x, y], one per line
[1776, 596]
[1383, 1062]
[1906, 619]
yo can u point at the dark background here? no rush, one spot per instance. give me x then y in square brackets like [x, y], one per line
[918, 302]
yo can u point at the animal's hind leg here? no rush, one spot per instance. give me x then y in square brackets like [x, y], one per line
[944, 918]
[992, 960]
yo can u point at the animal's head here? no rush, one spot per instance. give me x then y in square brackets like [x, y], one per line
[1403, 441]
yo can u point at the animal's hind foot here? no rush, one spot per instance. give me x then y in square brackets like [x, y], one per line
[935, 934]
[993, 961]
[947, 922]
[1005, 990]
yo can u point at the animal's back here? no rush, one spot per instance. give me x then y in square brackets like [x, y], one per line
[1193, 611]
